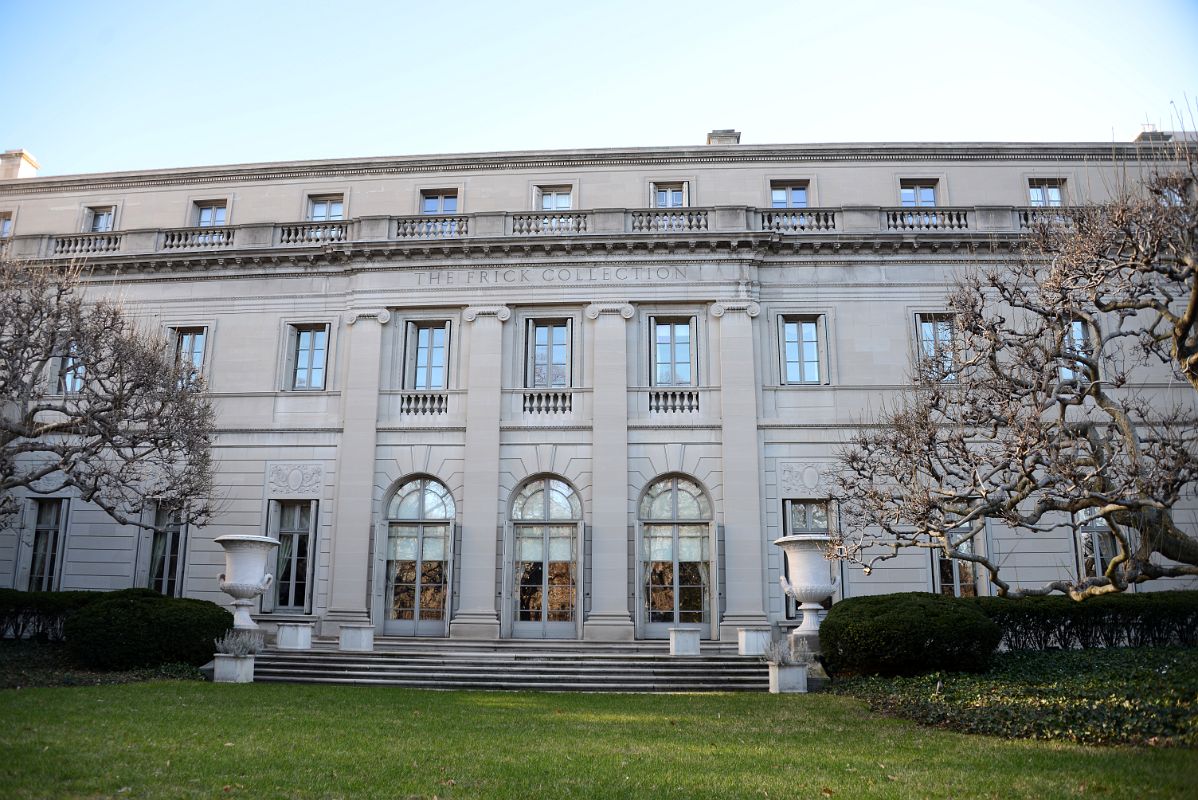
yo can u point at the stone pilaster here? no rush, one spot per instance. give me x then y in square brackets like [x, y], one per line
[477, 615]
[744, 545]
[355, 471]
[609, 619]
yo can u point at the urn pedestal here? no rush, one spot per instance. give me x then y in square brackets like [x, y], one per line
[245, 576]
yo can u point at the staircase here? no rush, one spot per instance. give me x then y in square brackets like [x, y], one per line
[567, 666]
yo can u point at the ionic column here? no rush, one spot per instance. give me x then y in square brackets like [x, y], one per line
[477, 615]
[354, 499]
[609, 619]
[744, 546]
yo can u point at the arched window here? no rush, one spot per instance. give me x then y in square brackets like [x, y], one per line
[546, 514]
[419, 557]
[675, 554]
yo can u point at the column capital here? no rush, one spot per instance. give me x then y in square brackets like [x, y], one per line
[625, 310]
[501, 313]
[749, 308]
[382, 316]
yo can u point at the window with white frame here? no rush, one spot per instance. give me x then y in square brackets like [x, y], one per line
[1045, 192]
[307, 356]
[100, 219]
[1075, 345]
[936, 334]
[211, 214]
[1096, 545]
[548, 361]
[917, 193]
[189, 346]
[802, 339]
[167, 547]
[952, 576]
[555, 198]
[326, 207]
[670, 194]
[673, 351]
[70, 371]
[427, 355]
[788, 195]
[293, 524]
[439, 201]
[5, 224]
[48, 530]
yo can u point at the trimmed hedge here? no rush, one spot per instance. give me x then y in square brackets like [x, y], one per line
[141, 628]
[906, 634]
[39, 615]
[1150, 619]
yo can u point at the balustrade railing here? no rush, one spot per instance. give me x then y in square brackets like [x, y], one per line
[187, 238]
[544, 401]
[313, 232]
[796, 221]
[552, 224]
[1035, 217]
[430, 227]
[668, 220]
[926, 219]
[673, 401]
[423, 403]
[86, 243]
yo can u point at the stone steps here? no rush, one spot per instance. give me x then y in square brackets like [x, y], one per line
[526, 666]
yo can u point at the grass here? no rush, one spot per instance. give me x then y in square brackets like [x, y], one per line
[1145, 695]
[187, 739]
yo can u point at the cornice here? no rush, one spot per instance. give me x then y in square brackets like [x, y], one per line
[968, 152]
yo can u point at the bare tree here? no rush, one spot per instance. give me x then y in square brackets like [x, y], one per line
[1049, 408]
[91, 405]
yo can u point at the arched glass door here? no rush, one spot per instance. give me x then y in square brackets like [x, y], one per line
[419, 559]
[675, 556]
[546, 514]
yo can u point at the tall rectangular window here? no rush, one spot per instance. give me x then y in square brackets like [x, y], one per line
[166, 553]
[936, 334]
[326, 208]
[211, 214]
[309, 351]
[954, 577]
[70, 372]
[1096, 544]
[189, 346]
[548, 354]
[1045, 193]
[784, 195]
[555, 198]
[917, 193]
[5, 225]
[673, 352]
[1076, 342]
[428, 351]
[47, 544]
[100, 219]
[801, 355]
[296, 532]
[439, 201]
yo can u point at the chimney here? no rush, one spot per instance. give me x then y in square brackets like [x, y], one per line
[724, 136]
[17, 164]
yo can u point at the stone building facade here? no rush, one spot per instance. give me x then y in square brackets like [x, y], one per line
[565, 394]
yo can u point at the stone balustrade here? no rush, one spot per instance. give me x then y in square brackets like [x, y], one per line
[790, 222]
[423, 403]
[673, 401]
[548, 401]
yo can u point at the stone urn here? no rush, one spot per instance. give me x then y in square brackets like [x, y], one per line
[245, 576]
[810, 580]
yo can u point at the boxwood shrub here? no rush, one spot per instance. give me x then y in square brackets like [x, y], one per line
[39, 615]
[906, 634]
[141, 628]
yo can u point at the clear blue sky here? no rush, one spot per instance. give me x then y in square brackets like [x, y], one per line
[97, 86]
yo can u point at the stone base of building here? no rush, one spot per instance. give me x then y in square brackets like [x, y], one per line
[730, 623]
[474, 626]
[608, 628]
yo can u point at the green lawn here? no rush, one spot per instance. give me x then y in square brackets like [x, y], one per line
[191, 739]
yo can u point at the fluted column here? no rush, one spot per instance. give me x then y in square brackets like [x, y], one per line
[609, 619]
[355, 471]
[477, 615]
[744, 544]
